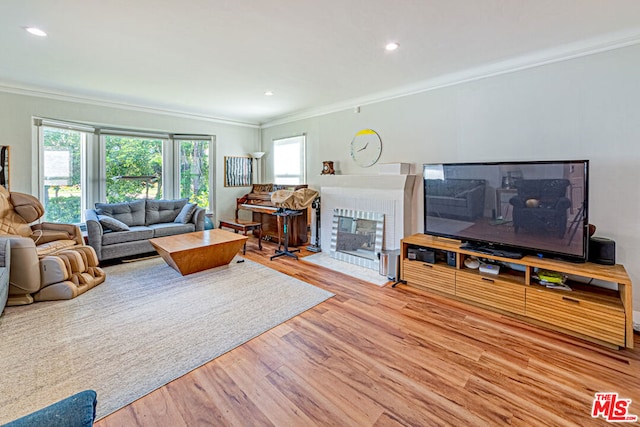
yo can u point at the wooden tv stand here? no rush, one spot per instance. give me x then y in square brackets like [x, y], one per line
[600, 315]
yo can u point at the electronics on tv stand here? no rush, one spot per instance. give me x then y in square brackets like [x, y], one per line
[505, 253]
[492, 269]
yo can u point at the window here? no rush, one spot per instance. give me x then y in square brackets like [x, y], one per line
[133, 168]
[194, 170]
[289, 160]
[80, 164]
[62, 182]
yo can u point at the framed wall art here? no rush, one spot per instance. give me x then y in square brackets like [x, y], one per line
[237, 171]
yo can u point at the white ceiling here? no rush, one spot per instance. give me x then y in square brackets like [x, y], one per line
[216, 58]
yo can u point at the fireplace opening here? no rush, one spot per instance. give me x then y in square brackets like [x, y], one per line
[356, 237]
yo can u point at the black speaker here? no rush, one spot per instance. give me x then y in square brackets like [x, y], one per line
[451, 259]
[421, 254]
[602, 251]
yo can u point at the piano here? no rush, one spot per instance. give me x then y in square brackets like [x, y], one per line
[263, 211]
[258, 208]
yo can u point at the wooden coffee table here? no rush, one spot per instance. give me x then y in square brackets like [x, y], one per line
[201, 250]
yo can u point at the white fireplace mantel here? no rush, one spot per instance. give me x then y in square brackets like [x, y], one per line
[388, 194]
[382, 182]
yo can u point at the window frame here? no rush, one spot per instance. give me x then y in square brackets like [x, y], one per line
[86, 138]
[93, 170]
[301, 140]
[176, 140]
[166, 176]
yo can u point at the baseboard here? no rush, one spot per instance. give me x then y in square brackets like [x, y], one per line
[636, 321]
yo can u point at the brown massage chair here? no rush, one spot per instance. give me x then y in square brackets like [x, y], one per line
[49, 261]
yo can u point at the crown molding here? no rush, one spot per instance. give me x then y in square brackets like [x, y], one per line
[565, 52]
[536, 59]
[61, 96]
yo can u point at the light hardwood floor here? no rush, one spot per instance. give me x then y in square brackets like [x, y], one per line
[379, 356]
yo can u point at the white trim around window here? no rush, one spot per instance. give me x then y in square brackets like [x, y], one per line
[289, 160]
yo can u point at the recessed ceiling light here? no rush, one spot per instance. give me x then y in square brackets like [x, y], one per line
[392, 46]
[36, 31]
[269, 93]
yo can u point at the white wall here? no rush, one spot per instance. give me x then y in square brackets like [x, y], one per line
[584, 108]
[16, 112]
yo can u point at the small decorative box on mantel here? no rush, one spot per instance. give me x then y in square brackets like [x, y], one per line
[393, 168]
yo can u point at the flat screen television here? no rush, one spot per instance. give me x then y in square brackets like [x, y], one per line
[510, 208]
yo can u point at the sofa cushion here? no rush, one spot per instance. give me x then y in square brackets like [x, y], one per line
[186, 213]
[160, 211]
[171, 228]
[131, 213]
[135, 233]
[112, 224]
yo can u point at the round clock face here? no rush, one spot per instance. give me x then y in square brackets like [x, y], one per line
[366, 148]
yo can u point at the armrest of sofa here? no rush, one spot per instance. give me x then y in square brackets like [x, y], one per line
[475, 201]
[518, 202]
[561, 203]
[5, 251]
[198, 218]
[24, 277]
[94, 231]
[464, 194]
[5, 263]
[78, 410]
[477, 191]
[51, 231]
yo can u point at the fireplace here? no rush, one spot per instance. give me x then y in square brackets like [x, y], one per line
[383, 198]
[356, 237]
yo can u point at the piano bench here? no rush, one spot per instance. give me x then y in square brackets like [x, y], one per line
[244, 227]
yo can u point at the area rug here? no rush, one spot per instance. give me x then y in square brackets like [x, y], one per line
[323, 259]
[145, 326]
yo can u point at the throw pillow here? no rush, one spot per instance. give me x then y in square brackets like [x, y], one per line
[186, 213]
[112, 224]
[163, 211]
[131, 213]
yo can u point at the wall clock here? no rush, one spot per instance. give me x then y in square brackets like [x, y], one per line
[366, 148]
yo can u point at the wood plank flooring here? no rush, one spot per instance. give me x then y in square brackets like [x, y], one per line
[382, 356]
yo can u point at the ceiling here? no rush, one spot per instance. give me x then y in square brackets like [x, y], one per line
[216, 58]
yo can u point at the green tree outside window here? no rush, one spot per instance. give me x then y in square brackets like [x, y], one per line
[194, 172]
[62, 168]
[133, 168]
